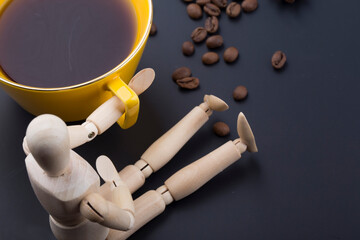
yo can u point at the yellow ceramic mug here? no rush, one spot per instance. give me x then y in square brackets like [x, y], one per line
[76, 102]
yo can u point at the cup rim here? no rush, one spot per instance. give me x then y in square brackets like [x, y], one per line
[115, 69]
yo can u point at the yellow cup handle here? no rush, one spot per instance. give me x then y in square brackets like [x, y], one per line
[130, 99]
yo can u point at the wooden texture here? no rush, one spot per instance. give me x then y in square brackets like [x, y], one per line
[110, 111]
[61, 196]
[86, 230]
[165, 148]
[165, 194]
[147, 207]
[95, 208]
[107, 114]
[121, 194]
[145, 168]
[245, 133]
[48, 141]
[142, 80]
[195, 175]
[122, 197]
[132, 177]
[215, 103]
[107, 170]
[80, 134]
[74, 195]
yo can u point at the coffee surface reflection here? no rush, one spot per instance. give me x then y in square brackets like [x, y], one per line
[58, 43]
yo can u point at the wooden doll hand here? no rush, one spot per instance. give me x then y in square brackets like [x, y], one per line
[97, 209]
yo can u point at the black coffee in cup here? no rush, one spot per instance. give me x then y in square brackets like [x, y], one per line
[57, 43]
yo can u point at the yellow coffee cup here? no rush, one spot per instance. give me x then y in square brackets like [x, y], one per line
[73, 103]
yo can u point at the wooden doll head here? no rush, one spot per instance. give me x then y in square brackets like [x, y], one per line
[48, 141]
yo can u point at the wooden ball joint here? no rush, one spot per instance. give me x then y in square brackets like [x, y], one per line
[69, 188]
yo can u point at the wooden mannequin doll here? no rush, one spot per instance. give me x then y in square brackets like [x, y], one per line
[69, 188]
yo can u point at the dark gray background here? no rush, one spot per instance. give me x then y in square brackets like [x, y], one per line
[305, 181]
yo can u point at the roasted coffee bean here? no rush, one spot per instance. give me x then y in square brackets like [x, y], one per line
[240, 93]
[214, 41]
[231, 54]
[199, 34]
[211, 24]
[278, 60]
[233, 10]
[194, 11]
[202, 2]
[188, 1]
[212, 9]
[221, 129]
[153, 29]
[188, 82]
[220, 3]
[249, 5]
[188, 48]
[210, 58]
[180, 73]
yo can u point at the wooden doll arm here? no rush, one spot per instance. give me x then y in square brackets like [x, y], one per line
[105, 115]
[110, 111]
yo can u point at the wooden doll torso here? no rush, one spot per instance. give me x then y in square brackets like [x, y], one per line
[61, 196]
